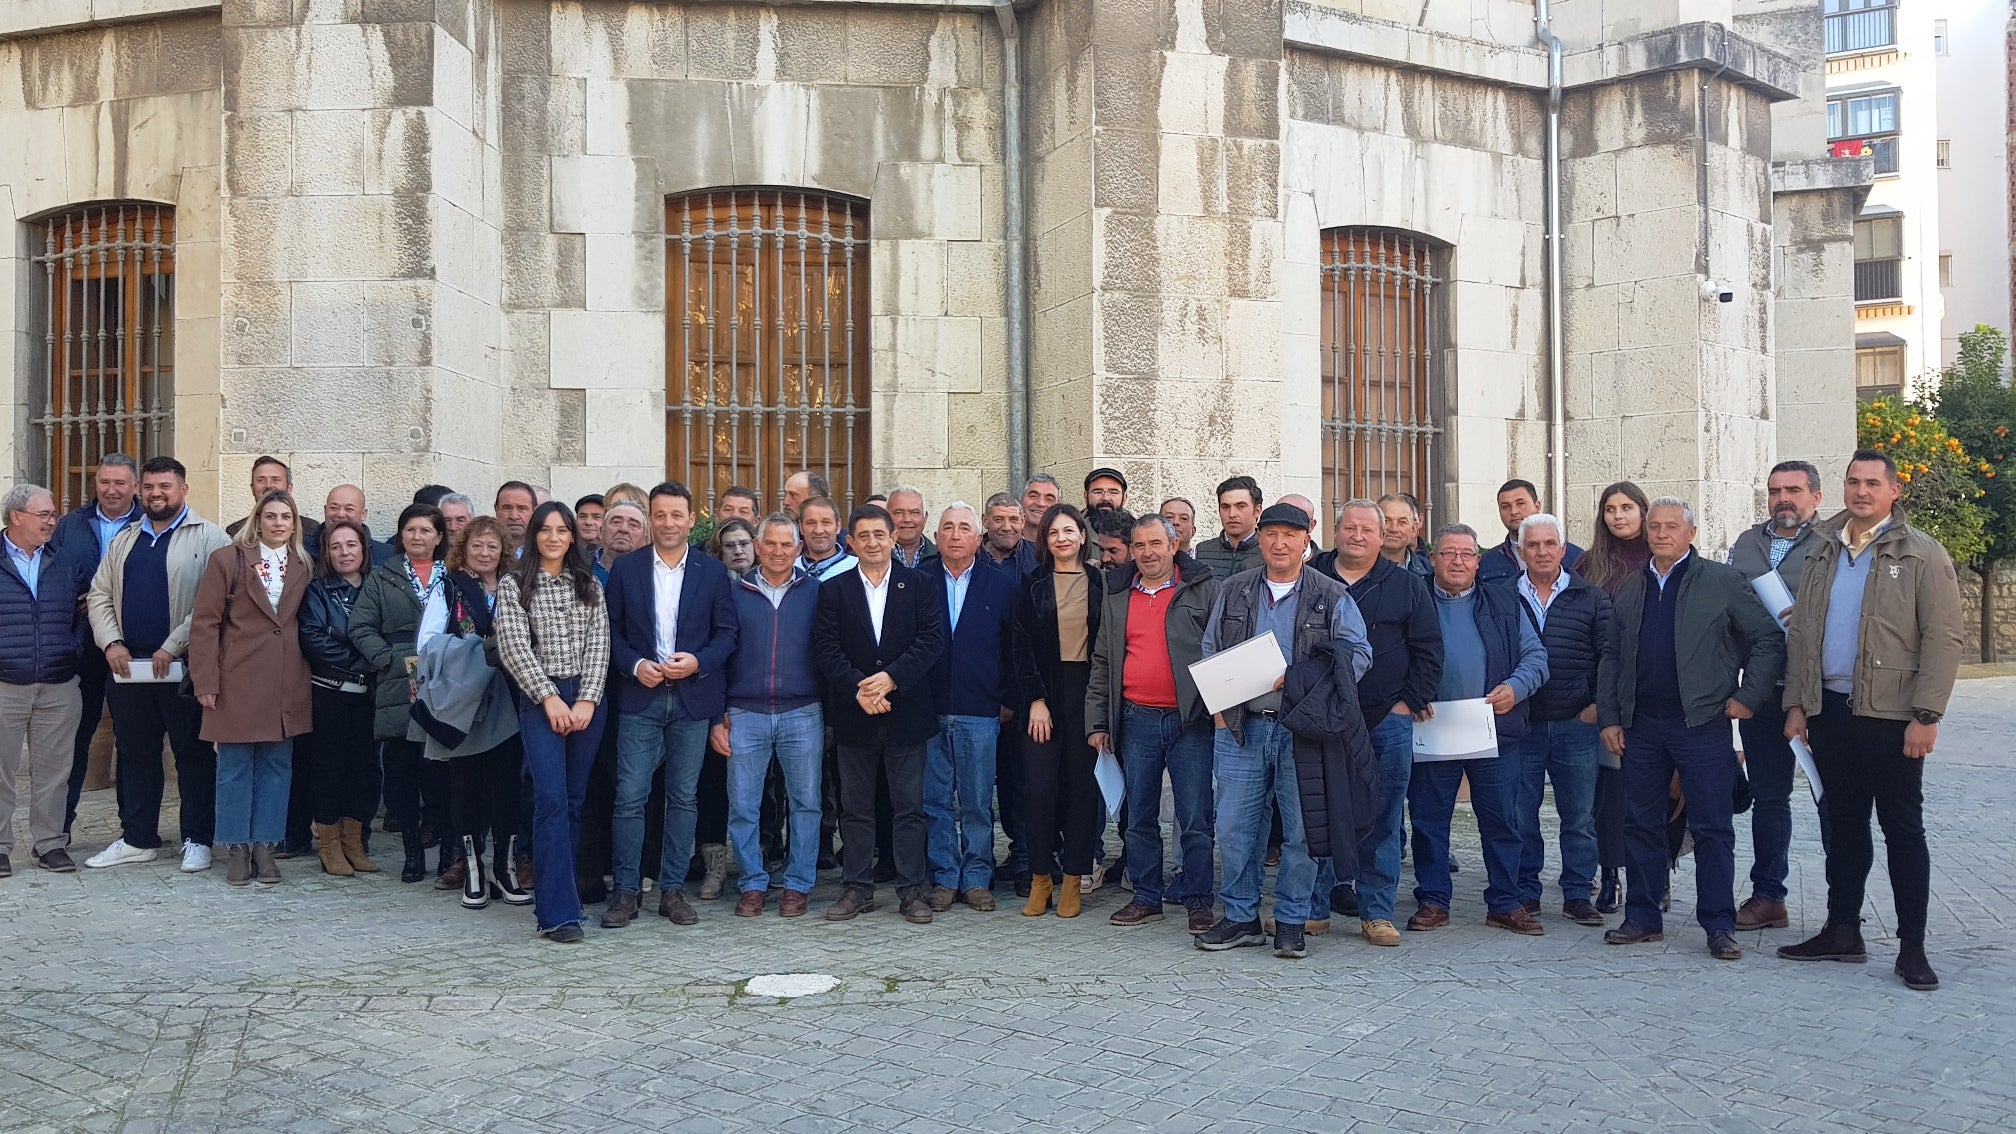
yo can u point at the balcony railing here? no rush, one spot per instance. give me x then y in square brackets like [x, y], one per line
[1884, 150]
[1879, 280]
[1865, 30]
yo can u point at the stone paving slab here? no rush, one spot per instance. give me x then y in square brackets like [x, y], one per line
[142, 999]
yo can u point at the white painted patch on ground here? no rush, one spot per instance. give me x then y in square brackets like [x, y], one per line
[788, 985]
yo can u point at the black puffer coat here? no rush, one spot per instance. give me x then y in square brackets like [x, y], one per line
[1577, 637]
[1336, 771]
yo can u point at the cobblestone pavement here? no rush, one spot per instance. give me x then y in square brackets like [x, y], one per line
[141, 999]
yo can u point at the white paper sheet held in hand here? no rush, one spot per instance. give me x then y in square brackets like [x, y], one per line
[1459, 730]
[1771, 592]
[142, 671]
[1236, 675]
[1106, 771]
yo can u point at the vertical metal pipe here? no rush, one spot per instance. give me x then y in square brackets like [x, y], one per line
[1015, 228]
[1557, 426]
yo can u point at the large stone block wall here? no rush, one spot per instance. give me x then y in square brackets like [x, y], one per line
[127, 112]
[362, 205]
[610, 108]
[1457, 161]
[2005, 613]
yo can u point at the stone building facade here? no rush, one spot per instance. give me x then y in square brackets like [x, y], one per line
[583, 241]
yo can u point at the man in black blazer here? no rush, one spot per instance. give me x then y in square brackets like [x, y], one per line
[672, 627]
[878, 635]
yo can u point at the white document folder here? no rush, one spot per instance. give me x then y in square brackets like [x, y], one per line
[1236, 675]
[1459, 730]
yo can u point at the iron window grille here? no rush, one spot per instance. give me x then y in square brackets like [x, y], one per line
[1380, 341]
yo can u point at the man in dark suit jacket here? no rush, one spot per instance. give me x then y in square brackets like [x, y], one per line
[878, 635]
[672, 627]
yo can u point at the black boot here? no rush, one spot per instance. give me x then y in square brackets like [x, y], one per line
[416, 860]
[1611, 896]
[1834, 942]
[1914, 970]
[475, 888]
[505, 878]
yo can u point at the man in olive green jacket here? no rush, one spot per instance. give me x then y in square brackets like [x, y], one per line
[1874, 648]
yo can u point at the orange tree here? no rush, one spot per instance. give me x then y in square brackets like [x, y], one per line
[1978, 407]
[1940, 494]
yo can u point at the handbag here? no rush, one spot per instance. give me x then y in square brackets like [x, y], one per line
[187, 689]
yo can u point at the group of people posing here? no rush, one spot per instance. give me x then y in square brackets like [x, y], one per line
[535, 680]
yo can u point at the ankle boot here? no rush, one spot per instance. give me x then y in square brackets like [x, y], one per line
[451, 878]
[238, 865]
[1611, 897]
[1039, 896]
[475, 889]
[416, 859]
[1834, 942]
[1914, 970]
[504, 875]
[329, 848]
[1068, 903]
[351, 833]
[715, 855]
[264, 867]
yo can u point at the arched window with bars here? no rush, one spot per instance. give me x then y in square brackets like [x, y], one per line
[1381, 347]
[768, 343]
[106, 281]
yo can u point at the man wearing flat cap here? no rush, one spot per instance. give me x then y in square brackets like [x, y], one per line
[1253, 755]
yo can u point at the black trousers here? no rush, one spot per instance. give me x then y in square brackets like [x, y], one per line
[143, 715]
[416, 792]
[859, 767]
[342, 765]
[1008, 793]
[1612, 809]
[92, 677]
[1059, 793]
[711, 822]
[483, 793]
[593, 853]
[1862, 765]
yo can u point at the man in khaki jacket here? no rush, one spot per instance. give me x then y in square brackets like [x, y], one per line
[1873, 647]
[140, 605]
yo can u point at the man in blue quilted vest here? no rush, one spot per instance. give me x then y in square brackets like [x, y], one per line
[41, 636]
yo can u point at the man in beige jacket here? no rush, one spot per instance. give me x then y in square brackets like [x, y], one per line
[140, 603]
[1872, 650]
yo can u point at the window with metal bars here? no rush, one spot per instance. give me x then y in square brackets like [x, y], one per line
[767, 342]
[107, 280]
[1382, 406]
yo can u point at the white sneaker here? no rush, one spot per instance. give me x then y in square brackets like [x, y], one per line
[1094, 880]
[195, 857]
[120, 853]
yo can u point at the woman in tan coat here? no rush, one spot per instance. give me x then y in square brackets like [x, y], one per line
[249, 676]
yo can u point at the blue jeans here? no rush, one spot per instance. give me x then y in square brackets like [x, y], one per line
[1654, 749]
[558, 768]
[795, 739]
[644, 740]
[253, 781]
[1431, 799]
[1249, 775]
[959, 802]
[1154, 741]
[1379, 854]
[1567, 753]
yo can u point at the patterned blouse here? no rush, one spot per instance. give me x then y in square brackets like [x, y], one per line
[560, 637]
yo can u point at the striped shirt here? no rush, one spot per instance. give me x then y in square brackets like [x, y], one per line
[560, 637]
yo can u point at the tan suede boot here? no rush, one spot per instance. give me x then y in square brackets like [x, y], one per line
[1039, 896]
[1068, 903]
[715, 856]
[351, 832]
[329, 848]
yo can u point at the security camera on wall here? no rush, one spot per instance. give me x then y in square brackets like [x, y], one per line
[1717, 290]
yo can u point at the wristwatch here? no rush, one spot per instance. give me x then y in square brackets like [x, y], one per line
[1926, 716]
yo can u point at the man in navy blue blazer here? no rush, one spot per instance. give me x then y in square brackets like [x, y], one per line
[877, 637]
[969, 688]
[671, 630]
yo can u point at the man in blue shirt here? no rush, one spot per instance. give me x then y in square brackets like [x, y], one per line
[39, 644]
[1489, 650]
[1253, 754]
[83, 536]
[1517, 499]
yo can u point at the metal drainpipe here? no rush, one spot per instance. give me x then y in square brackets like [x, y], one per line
[1702, 267]
[1015, 224]
[1557, 427]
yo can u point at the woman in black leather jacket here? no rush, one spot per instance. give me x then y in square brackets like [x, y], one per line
[1055, 623]
[342, 756]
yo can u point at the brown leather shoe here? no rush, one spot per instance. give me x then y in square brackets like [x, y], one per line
[1199, 920]
[750, 904]
[942, 898]
[1631, 933]
[524, 871]
[979, 899]
[672, 905]
[916, 911]
[1428, 917]
[794, 904]
[1531, 905]
[1519, 920]
[621, 911]
[1136, 912]
[852, 904]
[1758, 913]
[453, 877]
[1581, 912]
